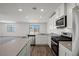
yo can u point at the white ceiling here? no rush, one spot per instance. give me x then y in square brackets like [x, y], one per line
[9, 11]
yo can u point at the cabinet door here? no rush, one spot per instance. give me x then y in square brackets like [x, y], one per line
[69, 17]
[61, 50]
[62, 10]
[49, 41]
[68, 52]
[70, 7]
[41, 39]
[57, 13]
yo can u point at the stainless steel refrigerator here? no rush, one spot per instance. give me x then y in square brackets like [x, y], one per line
[75, 27]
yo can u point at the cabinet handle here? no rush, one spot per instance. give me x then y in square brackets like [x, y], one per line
[54, 42]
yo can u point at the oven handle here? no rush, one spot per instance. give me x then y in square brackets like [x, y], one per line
[54, 42]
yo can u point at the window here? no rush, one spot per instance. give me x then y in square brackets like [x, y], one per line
[11, 28]
[34, 28]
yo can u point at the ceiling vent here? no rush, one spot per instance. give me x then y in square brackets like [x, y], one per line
[34, 8]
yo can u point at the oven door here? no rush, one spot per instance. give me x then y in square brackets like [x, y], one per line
[54, 47]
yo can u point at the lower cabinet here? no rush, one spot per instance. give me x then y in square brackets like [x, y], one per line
[49, 41]
[41, 39]
[63, 51]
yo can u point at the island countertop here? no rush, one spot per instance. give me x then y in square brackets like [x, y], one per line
[12, 47]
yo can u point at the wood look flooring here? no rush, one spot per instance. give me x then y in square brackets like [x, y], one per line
[40, 50]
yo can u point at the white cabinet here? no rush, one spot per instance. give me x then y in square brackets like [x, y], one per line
[63, 51]
[61, 10]
[57, 13]
[77, 4]
[41, 39]
[68, 52]
[70, 6]
[49, 41]
[51, 24]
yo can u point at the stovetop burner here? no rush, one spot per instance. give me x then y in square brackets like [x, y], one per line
[61, 38]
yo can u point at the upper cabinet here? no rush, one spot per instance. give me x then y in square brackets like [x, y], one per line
[61, 10]
[70, 7]
[66, 9]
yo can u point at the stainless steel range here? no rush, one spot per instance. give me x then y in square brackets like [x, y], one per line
[55, 41]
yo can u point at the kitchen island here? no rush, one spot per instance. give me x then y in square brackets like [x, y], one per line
[15, 47]
[41, 39]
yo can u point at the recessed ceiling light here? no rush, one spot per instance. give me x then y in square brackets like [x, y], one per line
[42, 10]
[20, 10]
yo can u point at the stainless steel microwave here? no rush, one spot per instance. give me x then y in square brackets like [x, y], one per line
[61, 22]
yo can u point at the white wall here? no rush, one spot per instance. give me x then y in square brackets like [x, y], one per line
[43, 28]
[21, 30]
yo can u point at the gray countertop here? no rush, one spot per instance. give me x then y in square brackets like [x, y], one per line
[13, 46]
[67, 44]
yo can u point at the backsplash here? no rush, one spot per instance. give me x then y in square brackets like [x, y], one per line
[59, 31]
